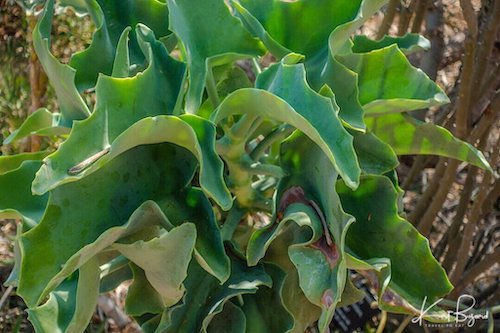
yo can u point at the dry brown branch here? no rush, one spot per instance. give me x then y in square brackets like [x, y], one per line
[473, 219]
[444, 185]
[469, 276]
[390, 13]
[405, 17]
[429, 192]
[416, 25]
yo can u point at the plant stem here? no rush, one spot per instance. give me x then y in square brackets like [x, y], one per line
[278, 134]
[180, 98]
[256, 66]
[452, 235]
[265, 169]
[474, 216]
[425, 224]
[417, 166]
[212, 89]
[429, 192]
[466, 78]
[5, 295]
[383, 321]
[403, 325]
[244, 128]
[232, 221]
[476, 270]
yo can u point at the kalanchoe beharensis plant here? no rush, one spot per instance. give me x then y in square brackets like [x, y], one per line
[233, 200]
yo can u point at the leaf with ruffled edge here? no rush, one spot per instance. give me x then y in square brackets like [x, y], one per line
[408, 43]
[256, 308]
[71, 306]
[120, 103]
[16, 199]
[231, 320]
[205, 297]
[62, 77]
[388, 83]
[292, 26]
[196, 23]
[41, 122]
[111, 18]
[290, 100]
[307, 197]
[93, 206]
[407, 135]
[164, 260]
[379, 232]
[375, 156]
[11, 162]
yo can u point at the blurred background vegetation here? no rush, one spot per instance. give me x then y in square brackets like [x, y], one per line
[455, 205]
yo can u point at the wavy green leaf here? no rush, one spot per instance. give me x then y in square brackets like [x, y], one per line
[16, 199]
[103, 200]
[388, 83]
[111, 18]
[120, 103]
[293, 25]
[375, 156]
[261, 239]
[139, 290]
[324, 287]
[407, 135]
[11, 162]
[41, 122]
[379, 232]
[148, 215]
[164, 259]
[121, 64]
[290, 100]
[196, 23]
[408, 43]
[188, 131]
[306, 195]
[191, 205]
[344, 81]
[62, 77]
[289, 83]
[70, 307]
[231, 320]
[205, 296]
[274, 248]
[256, 308]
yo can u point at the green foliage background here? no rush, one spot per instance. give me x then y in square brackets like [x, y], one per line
[152, 180]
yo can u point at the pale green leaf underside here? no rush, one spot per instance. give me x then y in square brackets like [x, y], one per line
[164, 260]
